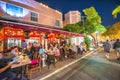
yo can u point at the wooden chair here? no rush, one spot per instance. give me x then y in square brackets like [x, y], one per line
[34, 66]
[50, 60]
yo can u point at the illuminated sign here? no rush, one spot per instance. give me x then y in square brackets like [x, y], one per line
[14, 10]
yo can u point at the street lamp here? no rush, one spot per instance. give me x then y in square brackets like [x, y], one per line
[83, 22]
[97, 38]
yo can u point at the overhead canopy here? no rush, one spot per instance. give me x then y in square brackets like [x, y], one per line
[36, 28]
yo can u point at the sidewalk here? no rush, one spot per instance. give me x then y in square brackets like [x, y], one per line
[59, 66]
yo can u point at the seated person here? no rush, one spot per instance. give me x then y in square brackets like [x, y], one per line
[14, 51]
[50, 51]
[27, 51]
[5, 70]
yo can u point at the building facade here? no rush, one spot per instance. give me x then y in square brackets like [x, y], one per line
[72, 17]
[31, 21]
[30, 11]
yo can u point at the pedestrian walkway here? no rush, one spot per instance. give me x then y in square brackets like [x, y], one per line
[59, 65]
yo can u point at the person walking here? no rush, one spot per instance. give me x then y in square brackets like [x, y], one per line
[107, 47]
[116, 46]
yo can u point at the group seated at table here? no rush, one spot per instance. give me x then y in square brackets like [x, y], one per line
[11, 62]
[6, 73]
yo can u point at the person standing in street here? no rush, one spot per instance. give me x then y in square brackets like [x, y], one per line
[116, 46]
[107, 47]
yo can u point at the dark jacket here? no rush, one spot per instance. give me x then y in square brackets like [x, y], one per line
[116, 44]
[33, 50]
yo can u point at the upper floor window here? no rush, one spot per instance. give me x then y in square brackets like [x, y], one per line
[57, 23]
[14, 10]
[34, 16]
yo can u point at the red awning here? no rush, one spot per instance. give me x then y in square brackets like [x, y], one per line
[37, 28]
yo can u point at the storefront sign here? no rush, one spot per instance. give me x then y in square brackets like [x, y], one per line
[12, 32]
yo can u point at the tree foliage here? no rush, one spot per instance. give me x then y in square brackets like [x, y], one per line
[92, 15]
[113, 32]
[72, 28]
[87, 42]
[89, 28]
[116, 11]
[93, 21]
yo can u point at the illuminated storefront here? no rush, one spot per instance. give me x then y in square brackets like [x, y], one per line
[34, 38]
[12, 37]
[14, 34]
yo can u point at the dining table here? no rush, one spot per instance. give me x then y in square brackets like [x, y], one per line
[22, 60]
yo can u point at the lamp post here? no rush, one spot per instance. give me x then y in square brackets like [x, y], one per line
[96, 38]
[83, 19]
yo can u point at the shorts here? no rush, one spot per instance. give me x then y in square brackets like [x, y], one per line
[117, 49]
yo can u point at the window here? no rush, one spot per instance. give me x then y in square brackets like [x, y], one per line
[34, 16]
[57, 23]
[14, 10]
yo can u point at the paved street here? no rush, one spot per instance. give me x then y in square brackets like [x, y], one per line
[93, 67]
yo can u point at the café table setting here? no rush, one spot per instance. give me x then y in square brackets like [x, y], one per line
[20, 60]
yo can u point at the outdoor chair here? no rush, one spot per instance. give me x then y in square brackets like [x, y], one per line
[34, 66]
[50, 60]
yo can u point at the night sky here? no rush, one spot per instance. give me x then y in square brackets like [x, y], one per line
[103, 7]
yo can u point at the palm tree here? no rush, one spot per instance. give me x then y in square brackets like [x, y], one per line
[116, 11]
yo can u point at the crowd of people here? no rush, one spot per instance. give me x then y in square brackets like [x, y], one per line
[61, 52]
[112, 45]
